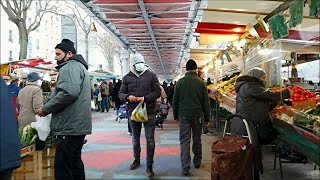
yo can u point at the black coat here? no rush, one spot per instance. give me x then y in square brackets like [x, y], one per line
[146, 85]
[253, 103]
[115, 96]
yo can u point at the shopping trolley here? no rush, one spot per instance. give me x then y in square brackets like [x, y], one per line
[232, 155]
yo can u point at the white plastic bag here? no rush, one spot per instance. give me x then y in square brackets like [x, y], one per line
[93, 106]
[140, 114]
[42, 125]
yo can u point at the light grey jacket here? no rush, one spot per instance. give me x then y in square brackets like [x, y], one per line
[29, 101]
[70, 105]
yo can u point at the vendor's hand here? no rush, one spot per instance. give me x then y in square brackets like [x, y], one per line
[41, 113]
[177, 120]
[291, 92]
[140, 99]
[132, 98]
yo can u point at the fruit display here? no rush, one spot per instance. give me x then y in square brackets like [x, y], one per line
[228, 86]
[300, 94]
[28, 135]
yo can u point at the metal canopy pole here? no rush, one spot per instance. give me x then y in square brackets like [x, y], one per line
[146, 19]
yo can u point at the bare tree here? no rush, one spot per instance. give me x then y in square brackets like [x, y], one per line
[109, 48]
[17, 10]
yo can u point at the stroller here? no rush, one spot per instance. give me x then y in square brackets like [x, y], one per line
[160, 116]
[122, 113]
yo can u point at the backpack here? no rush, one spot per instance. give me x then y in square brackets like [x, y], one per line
[105, 89]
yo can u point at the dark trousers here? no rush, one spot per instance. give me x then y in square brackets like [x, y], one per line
[105, 103]
[68, 164]
[149, 128]
[188, 126]
[6, 174]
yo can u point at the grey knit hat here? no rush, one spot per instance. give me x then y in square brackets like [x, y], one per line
[257, 72]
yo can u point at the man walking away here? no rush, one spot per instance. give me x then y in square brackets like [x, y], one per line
[70, 106]
[190, 107]
[141, 85]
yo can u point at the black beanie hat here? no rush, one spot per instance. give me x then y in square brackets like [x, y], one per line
[191, 65]
[66, 45]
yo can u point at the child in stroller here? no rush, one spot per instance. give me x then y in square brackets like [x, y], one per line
[122, 113]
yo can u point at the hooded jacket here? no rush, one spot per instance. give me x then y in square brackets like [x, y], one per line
[10, 143]
[70, 105]
[253, 103]
[145, 85]
[29, 101]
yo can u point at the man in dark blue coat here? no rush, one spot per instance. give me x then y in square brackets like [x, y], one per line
[10, 143]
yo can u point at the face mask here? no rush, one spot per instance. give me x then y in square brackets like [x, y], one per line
[39, 82]
[8, 83]
[139, 67]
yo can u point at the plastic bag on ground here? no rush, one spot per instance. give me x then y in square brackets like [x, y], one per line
[42, 125]
[140, 114]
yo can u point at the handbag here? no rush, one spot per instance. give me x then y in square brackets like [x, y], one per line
[266, 132]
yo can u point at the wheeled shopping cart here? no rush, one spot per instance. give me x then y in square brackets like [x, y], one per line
[232, 155]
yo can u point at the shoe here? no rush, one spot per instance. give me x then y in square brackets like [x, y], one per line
[186, 173]
[135, 164]
[197, 166]
[149, 171]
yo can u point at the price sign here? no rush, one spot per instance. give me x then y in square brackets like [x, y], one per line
[296, 13]
[278, 27]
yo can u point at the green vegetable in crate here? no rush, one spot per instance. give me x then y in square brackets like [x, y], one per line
[28, 135]
[315, 111]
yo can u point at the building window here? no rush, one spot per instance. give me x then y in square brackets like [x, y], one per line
[10, 36]
[10, 56]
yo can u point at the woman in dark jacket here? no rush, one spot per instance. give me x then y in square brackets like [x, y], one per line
[253, 103]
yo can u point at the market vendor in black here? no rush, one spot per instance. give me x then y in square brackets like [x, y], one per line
[253, 103]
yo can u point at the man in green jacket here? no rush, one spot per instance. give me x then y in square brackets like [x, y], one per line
[70, 106]
[190, 108]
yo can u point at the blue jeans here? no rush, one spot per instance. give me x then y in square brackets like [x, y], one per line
[149, 128]
[105, 103]
[188, 126]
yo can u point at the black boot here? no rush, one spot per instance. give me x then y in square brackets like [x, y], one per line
[149, 171]
[135, 164]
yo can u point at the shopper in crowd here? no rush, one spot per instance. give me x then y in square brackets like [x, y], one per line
[10, 144]
[30, 100]
[71, 111]
[105, 92]
[253, 103]
[115, 96]
[171, 92]
[111, 101]
[141, 85]
[13, 84]
[97, 96]
[14, 89]
[191, 108]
